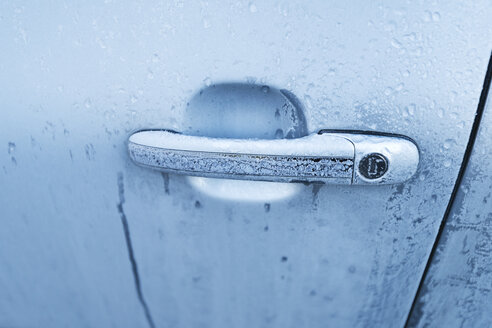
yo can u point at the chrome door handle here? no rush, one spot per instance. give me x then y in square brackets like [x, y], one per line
[335, 157]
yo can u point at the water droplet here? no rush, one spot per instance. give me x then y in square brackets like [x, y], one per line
[265, 89]
[206, 23]
[101, 43]
[252, 8]
[447, 163]
[283, 9]
[150, 74]
[250, 79]
[207, 81]
[423, 175]
[390, 27]
[410, 37]
[410, 109]
[448, 143]
[89, 151]
[88, 103]
[279, 134]
[427, 16]
[396, 44]
[436, 17]
[11, 148]
[277, 114]
[440, 112]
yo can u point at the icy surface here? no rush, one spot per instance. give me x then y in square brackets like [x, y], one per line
[458, 288]
[313, 145]
[243, 165]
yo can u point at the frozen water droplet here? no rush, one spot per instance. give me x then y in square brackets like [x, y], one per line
[390, 27]
[440, 112]
[405, 112]
[250, 79]
[150, 74]
[207, 81]
[410, 37]
[279, 134]
[410, 109]
[396, 44]
[423, 175]
[277, 114]
[11, 148]
[206, 23]
[448, 143]
[427, 16]
[436, 17]
[447, 163]
[252, 8]
[265, 89]
[284, 10]
[87, 103]
[101, 43]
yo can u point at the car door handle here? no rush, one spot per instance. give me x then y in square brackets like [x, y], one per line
[334, 157]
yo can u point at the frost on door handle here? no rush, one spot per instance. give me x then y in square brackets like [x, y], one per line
[326, 157]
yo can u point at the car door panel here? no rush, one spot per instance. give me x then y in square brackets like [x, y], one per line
[78, 78]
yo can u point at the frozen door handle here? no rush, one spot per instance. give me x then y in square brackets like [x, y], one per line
[337, 157]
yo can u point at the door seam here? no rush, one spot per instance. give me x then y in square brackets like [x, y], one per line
[415, 308]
